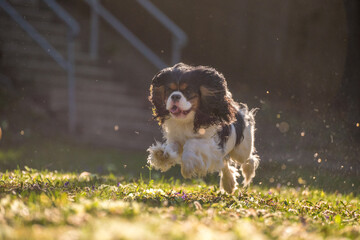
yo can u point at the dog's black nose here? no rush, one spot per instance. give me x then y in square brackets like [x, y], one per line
[175, 97]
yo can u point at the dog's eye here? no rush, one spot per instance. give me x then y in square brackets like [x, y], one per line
[186, 91]
[167, 89]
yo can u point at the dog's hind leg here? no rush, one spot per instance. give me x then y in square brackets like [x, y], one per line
[228, 176]
[244, 154]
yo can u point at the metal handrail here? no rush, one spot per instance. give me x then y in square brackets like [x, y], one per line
[125, 32]
[34, 34]
[74, 30]
[64, 15]
[163, 19]
[179, 36]
[67, 65]
[179, 39]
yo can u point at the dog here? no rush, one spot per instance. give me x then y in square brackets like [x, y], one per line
[204, 129]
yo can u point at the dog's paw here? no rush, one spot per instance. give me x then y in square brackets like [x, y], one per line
[192, 165]
[228, 176]
[187, 170]
[159, 158]
[248, 169]
[161, 155]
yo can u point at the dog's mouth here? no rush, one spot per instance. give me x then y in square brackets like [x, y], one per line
[177, 112]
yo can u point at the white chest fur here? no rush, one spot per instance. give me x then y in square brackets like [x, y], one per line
[181, 131]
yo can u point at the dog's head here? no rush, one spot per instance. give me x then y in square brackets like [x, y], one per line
[187, 93]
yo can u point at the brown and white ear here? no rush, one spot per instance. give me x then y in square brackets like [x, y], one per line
[216, 103]
[157, 98]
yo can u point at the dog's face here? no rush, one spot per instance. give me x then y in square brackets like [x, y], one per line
[187, 93]
[181, 99]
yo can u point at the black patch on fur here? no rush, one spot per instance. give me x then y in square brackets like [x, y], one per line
[239, 128]
[224, 133]
[156, 97]
[217, 107]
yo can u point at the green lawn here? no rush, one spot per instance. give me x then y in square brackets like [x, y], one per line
[68, 156]
[53, 205]
[83, 192]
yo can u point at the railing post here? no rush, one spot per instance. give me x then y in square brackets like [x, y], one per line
[71, 83]
[94, 28]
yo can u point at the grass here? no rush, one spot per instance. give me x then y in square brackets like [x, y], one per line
[59, 205]
[82, 192]
[63, 155]
[59, 154]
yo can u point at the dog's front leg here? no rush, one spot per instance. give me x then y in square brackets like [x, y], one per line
[163, 156]
[199, 157]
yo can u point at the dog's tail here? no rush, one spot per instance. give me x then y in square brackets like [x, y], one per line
[228, 176]
[249, 115]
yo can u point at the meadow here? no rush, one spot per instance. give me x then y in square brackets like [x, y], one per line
[108, 195]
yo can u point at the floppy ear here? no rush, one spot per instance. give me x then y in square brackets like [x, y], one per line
[157, 98]
[216, 103]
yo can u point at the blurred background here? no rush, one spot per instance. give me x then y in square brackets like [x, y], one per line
[75, 75]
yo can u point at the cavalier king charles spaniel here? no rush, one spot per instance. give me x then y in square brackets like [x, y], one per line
[204, 129]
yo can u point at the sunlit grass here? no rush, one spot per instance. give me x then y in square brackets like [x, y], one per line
[119, 198]
[58, 154]
[49, 204]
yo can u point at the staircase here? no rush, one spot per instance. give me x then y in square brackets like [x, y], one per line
[110, 111]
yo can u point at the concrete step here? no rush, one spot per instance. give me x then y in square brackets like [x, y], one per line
[102, 103]
[82, 84]
[51, 67]
[132, 113]
[134, 137]
[28, 3]
[98, 101]
[44, 27]
[100, 123]
[47, 81]
[18, 36]
[20, 51]
[34, 13]
[88, 110]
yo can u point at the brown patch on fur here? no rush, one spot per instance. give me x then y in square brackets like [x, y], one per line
[195, 102]
[183, 86]
[173, 86]
[206, 92]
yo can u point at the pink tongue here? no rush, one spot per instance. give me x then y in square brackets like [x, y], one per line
[175, 110]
